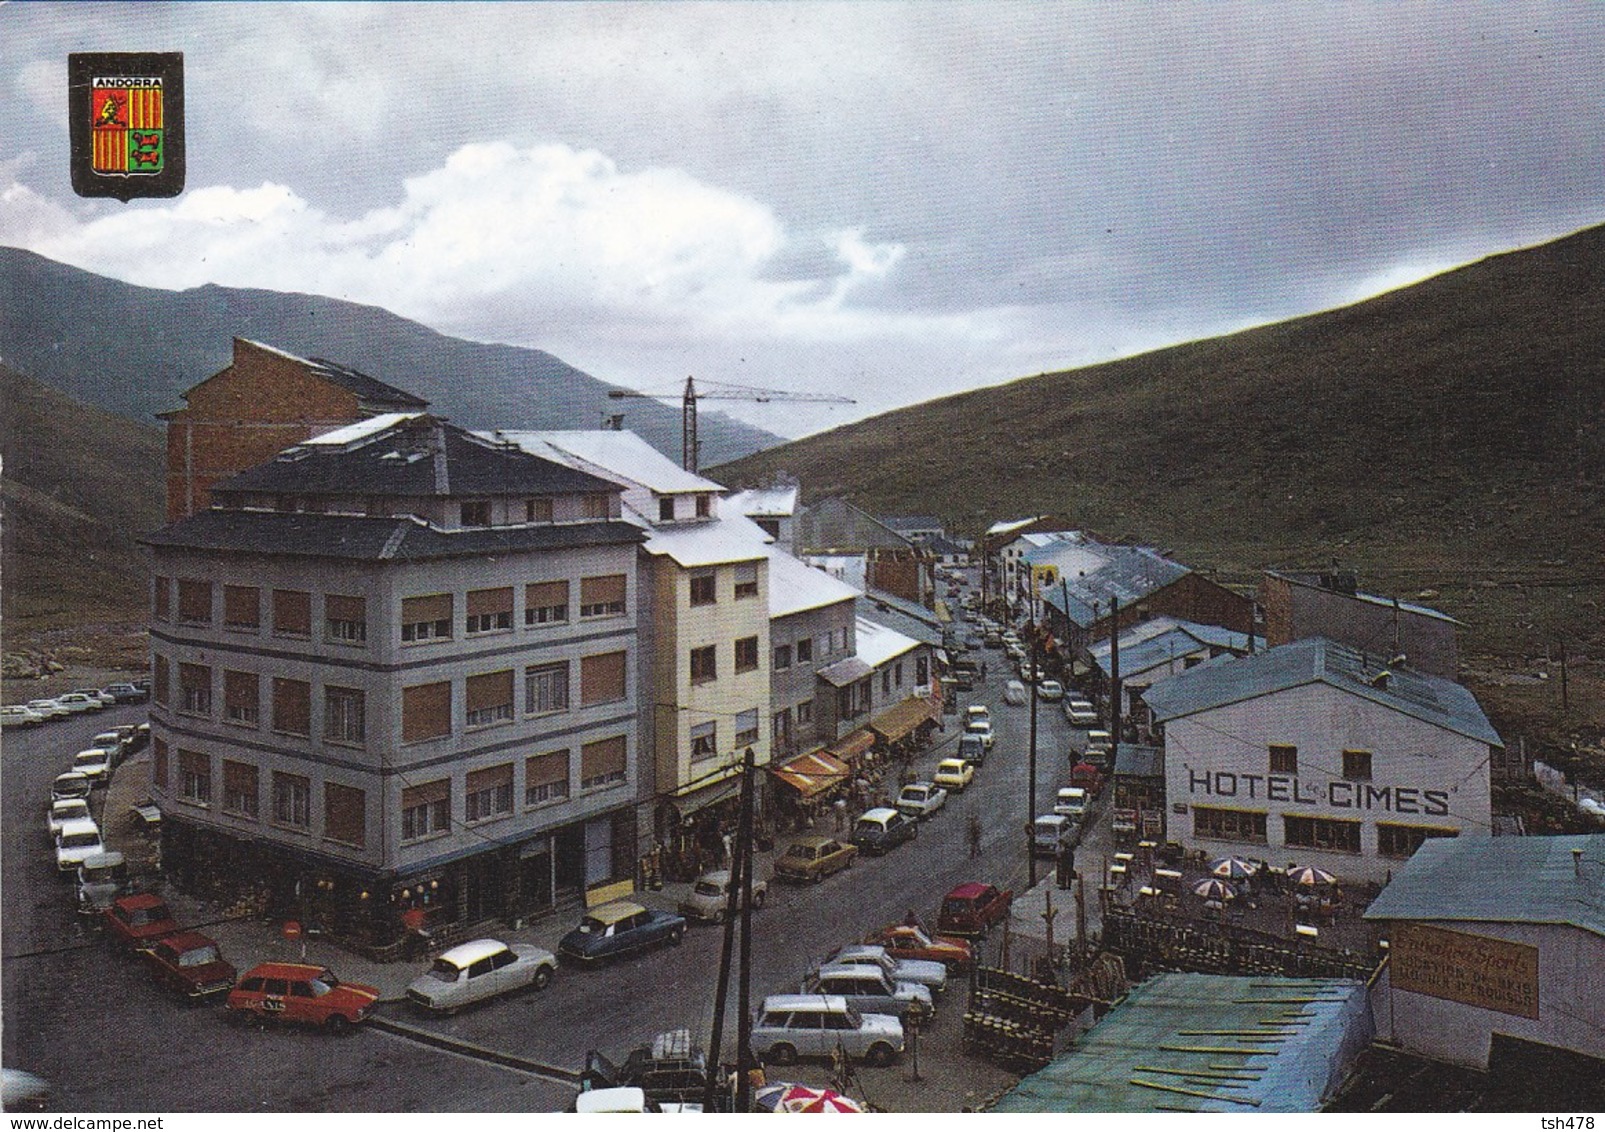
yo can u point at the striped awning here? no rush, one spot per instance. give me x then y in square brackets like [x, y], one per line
[895, 724]
[812, 773]
[852, 746]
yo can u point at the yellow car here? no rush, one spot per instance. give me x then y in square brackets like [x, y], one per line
[953, 774]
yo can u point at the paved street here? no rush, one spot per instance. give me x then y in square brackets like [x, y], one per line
[94, 1025]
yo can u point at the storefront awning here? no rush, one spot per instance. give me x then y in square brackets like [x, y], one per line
[813, 773]
[902, 719]
[700, 795]
[848, 749]
[845, 672]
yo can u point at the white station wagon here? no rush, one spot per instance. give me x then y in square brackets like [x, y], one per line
[482, 969]
[79, 839]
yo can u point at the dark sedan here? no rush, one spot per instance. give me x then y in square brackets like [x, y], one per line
[620, 928]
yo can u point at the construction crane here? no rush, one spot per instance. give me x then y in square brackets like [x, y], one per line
[690, 447]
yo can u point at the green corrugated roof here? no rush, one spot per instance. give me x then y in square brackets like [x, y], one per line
[1522, 880]
[1187, 1041]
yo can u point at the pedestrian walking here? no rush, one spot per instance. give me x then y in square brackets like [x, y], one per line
[975, 835]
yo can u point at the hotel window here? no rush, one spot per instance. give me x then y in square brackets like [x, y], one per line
[292, 800]
[666, 509]
[194, 689]
[240, 789]
[545, 778]
[546, 688]
[704, 664]
[158, 763]
[747, 728]
[704, 741]
[1357, 766]
[602, 596]
[161, 598]
[160, 680]
[195, 776]
[490, 793]
[537, 510]
[490, 699]
[1229, 825]
[602, 762]
[782, 657]
[242, 698]
[344, 715]
[425, 711]
[546, 603]
[292, 613]
[1321, 833]
[594, 506]
[1284, 758]
[426, 618]
[746, 654]
[242, 608]
[345, 814]
[425, 809]
[345, 619]
[805, 650]
[194, 602]
[746, 580]
[1402, 841]
[704, 505]
[602, 678]
[476, 513]
[292, 706]
[702, 588]
[490, 611]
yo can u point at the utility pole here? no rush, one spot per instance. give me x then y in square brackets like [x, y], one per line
[1031, 792]
[1114, 672]
[745, 1062]
[720, 998]
[1565, 700]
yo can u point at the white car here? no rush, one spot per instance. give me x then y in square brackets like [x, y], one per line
[954, 774]
[77, 702]
[1050, 690]
[817, 1025]
[482, 969]
[921, 972]
[710, 896]
[977, 711]
[50, 709]
[78, 839]
[70, 785]
[63, 810]
[20, 716]
[94, 764]
[111, 741]
[106, 698]
[1071, 801]
[919, 800]
[1080, 713]
[983, 728]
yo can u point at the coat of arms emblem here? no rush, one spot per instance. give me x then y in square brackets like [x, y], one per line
[127, 123]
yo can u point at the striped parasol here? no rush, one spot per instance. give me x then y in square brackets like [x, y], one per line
[1213, 888]
[804, 1098]
[1231, 868]
[1309, 876]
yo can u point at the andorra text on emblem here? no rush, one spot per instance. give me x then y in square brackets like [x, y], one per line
[127, 125]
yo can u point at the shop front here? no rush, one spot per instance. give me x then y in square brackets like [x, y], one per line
[806, 785]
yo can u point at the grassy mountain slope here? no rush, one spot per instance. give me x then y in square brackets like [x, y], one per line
[134, 350]
[1449, 435]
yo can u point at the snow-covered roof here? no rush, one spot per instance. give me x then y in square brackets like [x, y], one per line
[621, 454]
[769, 502]
[1047, 538]
[347, 434]
[795, 586]
[877, 643]
[730, 538]
[1005, 527]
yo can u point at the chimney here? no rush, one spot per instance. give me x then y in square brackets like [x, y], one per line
[1577, 860]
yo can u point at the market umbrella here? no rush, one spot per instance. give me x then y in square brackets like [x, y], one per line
[805, 1098]
[1213, 888]
[1231, 868]
[1309, 876]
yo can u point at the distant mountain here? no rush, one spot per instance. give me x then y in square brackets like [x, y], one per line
[134, 350]
[1448, 434]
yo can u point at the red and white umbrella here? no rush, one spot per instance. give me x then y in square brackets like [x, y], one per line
[1213, 888]
[1232, 868]
[806, 1098]
[1309, 876]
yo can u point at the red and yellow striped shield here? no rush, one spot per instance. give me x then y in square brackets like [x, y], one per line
[126, 125]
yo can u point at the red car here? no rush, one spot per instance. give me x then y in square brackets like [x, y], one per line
[136, 922]
[191, 964]
[971, 909]
[910, 941]
[300, 992]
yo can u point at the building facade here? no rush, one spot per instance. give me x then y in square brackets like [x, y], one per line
[1331, 605]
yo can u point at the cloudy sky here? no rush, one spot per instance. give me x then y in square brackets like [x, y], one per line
[884, 201]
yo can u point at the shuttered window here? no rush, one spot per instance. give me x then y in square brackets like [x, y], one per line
[746, 654]
[194, 601]
[426, 618]
[160, 692]
[292, 613]
[746, 579]
[345, 619]
[425, 711]
[292, 800]
[292, 706]
[425, 809]
[242, 698]
[161, 598]
[344, 715]
[195, 689]
[545, 778]
[546, 688]
[747, 728]
[158, 764]
[602, 678]
[490, 793]
[602, 596]
[195, 776]
[602, 762]
[241, 789]
[242, 607]
[537, 510]
[545, 603]
[490, 698]
[345, 814]
[490, 610]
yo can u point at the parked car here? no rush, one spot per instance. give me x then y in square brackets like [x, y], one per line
[1071, 801]
[71, 785]
[1050, 833]
[1088, 777]
[710, 896]
[910, 941]
[101, 880]
[50, 709]
[814, 1025]
[112, 740]
[621, 928]
[1050, 690]
[20, 715]
[994, 640]
[77, 839]
[140, 740]
[137, 921]
[190, 964]
[971, 909]
[300, 993]
[977, 712]
[919, 800]
[128, 693]
[1030, 673]
[972, 749]
[63, 810]
[94, 764]
[78, 702]
[954, 774]
[1099, 739]
[1014, 693]
[883, 828]
[672, 1071]
[485, 968]
[983, 728]
[1079, 713]
[870, 991]
[814, 858]
[106, 698]
[922, 972]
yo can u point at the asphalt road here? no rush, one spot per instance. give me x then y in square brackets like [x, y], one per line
[94, 1025]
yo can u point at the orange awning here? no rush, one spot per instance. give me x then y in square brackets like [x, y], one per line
[895, 724]
[852, 746]
[812, 773]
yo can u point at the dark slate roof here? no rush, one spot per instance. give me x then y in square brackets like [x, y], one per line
[901, 523]
[845, 672]
[370, 389]
[876, 608]
[1185, 638]
[374, 539]
[1315, 660]
[1133, 761]
[835, 525]
[1130, 573]
[404, 460]
[1512, 880]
